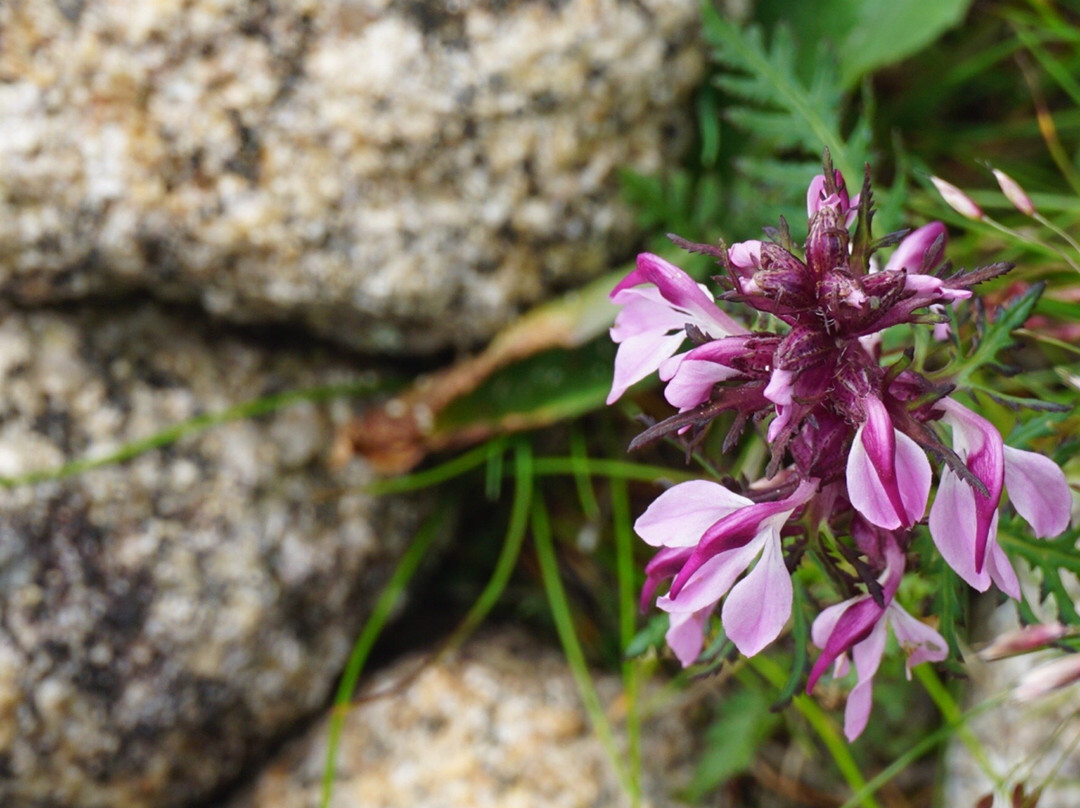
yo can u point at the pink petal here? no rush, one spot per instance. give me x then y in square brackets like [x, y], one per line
[682, 291]
[910, 252]
[693, 383]
[1015, 193]
[867, 657]
[745, 254]
[979, 444]
[757, 608]
[1001, 569]
[914, 477]
[919, 642]
[780, 388]
[644, 311]
[1049, 677]
[681, 515]
[1023, 640]
[1038, 490]
[814, 194]
[662, 566]
[865, 488]
[957, 199]
[693, 374]
[840, 634]
[825, 623]
[888, 475]
[934, 288]
[638, 357]
[711, 581]
[684, 635]
[953, 528]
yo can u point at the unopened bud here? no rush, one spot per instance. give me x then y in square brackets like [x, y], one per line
[957, 199]
[1014, 193]
[1049, 677]
[1023, 640]
[827, 242]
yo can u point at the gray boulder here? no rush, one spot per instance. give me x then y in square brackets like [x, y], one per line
[397, 175]
[163, 620]
[499, 723]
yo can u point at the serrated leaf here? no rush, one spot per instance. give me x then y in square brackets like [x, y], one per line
[999, 335]
[767, 78]
[774, 125]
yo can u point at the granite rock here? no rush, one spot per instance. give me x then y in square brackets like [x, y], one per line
[499, 723]
[398, 175]
[164, 619]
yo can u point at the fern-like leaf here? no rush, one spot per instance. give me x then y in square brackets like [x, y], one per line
[777, 107]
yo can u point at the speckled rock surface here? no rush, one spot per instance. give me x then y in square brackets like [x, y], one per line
[163, 619]
[399, 175]
[499, 724]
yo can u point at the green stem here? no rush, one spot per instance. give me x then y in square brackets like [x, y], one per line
[1017, 235]
[436, 474]
[1058, 230]
[511, 548]
[914, 753]
[824, 726]
[380, 614]
[579, 457]
[558, 466]
[168, 436]
[954, 717]
[564, 625]
[624, 564]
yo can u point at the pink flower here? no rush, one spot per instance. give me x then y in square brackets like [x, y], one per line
[710, 536]
[818, 197]
[920, 251]
[888, 475]
[692, 375]
[857, 626]
[651, 325]
[963, 521]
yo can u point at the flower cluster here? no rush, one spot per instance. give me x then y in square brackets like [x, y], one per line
[849, 437]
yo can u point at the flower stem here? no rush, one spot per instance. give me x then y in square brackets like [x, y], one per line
[954, 717]
[508, 555]
[825, 728]
[380, 614]
[916, 752]
[575, 657]
[631, 668]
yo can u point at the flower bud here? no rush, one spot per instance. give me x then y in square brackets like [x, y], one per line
[827, 242]
[1014, 193]
[958, 200]
[783, 277]
[1049, 677]
[1021, 641]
